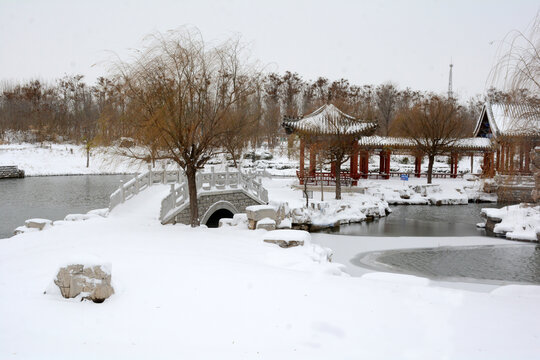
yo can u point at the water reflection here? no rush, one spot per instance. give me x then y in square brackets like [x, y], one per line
[52, 197]
[422, 220]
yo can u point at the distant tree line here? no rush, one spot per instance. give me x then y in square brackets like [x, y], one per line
[70, 110]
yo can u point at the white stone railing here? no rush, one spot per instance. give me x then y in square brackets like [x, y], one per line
[211, 181]
[179, 195]
[140, 182]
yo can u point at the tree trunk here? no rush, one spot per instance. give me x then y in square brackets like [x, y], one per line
[338, 180]
[192, 187]
[87, 155]
[431, 159]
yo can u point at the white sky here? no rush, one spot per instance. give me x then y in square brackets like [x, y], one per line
[368, 42]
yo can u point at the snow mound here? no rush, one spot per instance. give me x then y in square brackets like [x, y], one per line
[531, 291]
[396, 278]
[288, 235]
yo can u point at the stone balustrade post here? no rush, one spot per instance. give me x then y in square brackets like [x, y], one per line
[164, 175]
[137, 183]
[213, 179]
[226, 175]
[150, 175]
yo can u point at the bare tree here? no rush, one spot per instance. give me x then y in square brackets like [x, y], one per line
[518, 66]
[435, 125]
[386, 99]
[179, 93]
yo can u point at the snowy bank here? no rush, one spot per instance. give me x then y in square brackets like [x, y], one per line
[515, 222]
[64, 159]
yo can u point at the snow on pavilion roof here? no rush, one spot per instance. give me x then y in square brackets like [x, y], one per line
[465, 144]
[328, 120]
[510, 120]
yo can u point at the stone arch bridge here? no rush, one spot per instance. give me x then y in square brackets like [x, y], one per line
[219, 194]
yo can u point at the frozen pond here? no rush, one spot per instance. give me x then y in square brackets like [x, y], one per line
[509, 263]
[52, 197]
[422, 220]
[499, 263]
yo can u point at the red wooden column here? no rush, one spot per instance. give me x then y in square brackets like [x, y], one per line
[387, 164]
[302, 153]
[312, 159]
[354, 163]
[506, 157]
[472, 163]
[417, 166]
[382, 165]
[527, 159]
[453, 165]
[491, 158]
[511, 153]
[521, 153]
[364, 161]
[497, 165]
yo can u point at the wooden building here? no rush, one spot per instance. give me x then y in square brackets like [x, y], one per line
[514, 130]
[328, 123]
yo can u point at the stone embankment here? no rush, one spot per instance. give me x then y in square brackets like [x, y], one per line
[7, 172]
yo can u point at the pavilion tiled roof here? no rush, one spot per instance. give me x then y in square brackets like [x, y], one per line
[400, 143]
[510, 119]
[328, 120]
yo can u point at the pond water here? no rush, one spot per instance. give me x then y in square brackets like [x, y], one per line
[513, 263]
[506, 263]
[52, 197]
[422, 220]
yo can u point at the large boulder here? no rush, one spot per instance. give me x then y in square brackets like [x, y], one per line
[266, 224]
[92, 282]
[256, 213]
[259, 212]
[37, 223]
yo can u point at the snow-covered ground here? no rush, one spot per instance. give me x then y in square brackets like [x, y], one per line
[68, 159]
[224, 293]
[370, 198]
[64, 159]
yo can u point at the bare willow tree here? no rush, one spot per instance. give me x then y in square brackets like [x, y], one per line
[435, 125]
[180, 93]
[518, 66]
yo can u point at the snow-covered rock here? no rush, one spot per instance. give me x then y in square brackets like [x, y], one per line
[37, 223]
[266, 224]
[287, 238]
[516, 222]
[259, 212]
[92, 282]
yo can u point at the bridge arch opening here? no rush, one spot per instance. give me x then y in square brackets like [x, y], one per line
[213, 220]
[219, 210]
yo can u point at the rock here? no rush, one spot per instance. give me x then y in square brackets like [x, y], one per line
[259, 212]
[287, 238]
[94, 282]
[23, 229]
[37, 223]
[225, 222]
[266, 224]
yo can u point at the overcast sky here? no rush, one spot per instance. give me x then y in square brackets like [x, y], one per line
[368, 42]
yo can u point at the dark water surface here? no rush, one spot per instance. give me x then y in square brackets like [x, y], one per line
[507, 263]
[422, 220]
[52, 197]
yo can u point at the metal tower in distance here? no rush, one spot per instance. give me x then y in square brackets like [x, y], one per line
[450, 93]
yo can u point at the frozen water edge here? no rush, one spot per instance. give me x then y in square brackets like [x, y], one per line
[364, 248]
